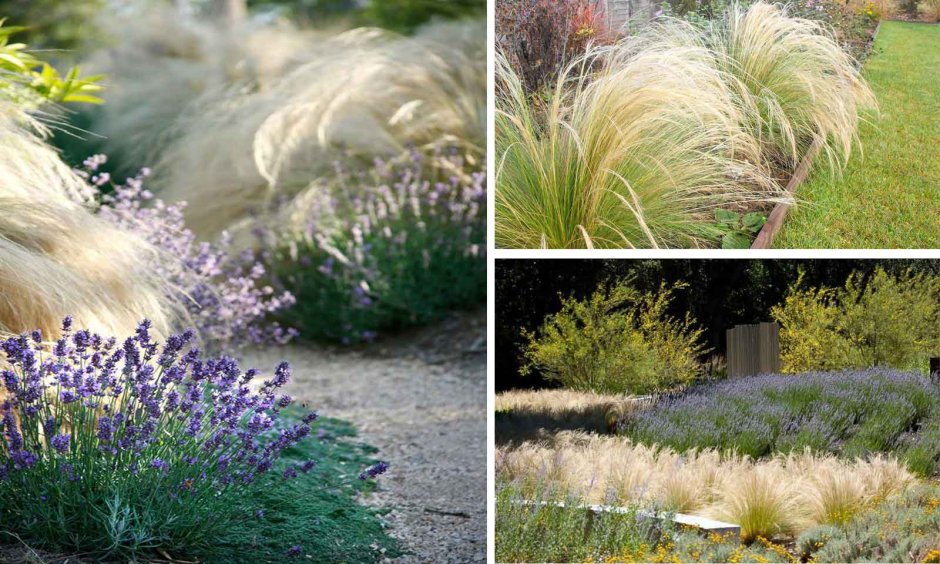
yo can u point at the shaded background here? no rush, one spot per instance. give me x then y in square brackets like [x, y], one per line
[721, 293]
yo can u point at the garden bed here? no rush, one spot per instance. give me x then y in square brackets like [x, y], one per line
[803, 463]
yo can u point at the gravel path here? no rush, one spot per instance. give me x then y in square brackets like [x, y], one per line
[421, 399]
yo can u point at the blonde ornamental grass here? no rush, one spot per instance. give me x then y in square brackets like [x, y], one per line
[523, 414]
[794, 82]
[56, 257]
[266, 123]
[639, 155]
[783, 495]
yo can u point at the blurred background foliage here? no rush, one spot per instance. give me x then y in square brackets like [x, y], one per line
[720, 293]
[70, 25]
[398, 15]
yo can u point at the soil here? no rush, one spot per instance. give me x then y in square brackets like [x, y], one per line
[420, 397]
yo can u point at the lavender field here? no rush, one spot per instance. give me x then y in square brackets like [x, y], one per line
[852, 413]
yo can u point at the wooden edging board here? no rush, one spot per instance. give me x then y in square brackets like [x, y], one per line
[765, 237]
[707, 525]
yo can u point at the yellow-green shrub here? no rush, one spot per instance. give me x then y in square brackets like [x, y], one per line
[883, 321]
[618, 340]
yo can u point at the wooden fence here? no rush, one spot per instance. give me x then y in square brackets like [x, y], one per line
[753, 349]
[619, 13]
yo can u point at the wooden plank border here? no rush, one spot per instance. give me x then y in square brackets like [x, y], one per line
[765, 238]
[700, 523]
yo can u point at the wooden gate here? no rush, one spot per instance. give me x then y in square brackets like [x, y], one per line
[753, 349]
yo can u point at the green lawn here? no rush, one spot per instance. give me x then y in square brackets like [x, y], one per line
[888, 197]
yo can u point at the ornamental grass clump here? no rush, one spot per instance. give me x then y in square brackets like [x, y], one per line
[56, 257]
[794, 82]
[124, 450]
[637, 153]
[244, 117]
[769, 497]
[387, 247]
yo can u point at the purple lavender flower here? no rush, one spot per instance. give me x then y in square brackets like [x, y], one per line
[295, 551]
[142, 406]
[224, 294]
[310, 417]
[384, 243]
[60, 443]
[374, 470]
[160, 465]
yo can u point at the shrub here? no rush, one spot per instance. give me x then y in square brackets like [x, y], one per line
[127, 450]
[882, 321]
[30, 82]
[930, 10]
[638, 154]
[693, 547]
[540, 37]
[853, 413]
[616, 341]
[922, 452]
[812, 540]
[54, 24]
[390, 247]
[408, 15]
[398, 15]
[224, 296]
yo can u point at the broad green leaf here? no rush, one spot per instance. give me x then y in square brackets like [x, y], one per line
[753, 221]
[727, 217]
[736, 240]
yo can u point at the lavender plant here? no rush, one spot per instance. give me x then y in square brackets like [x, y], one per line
[226, 297]
[852, 413]
[124, 449]
[392, 246]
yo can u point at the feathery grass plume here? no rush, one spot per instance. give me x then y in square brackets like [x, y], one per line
[524, 414]
[158, 55]
[361, 94]
[795, 82]
[763, 501]
[781, 494]
[637, 154]
[838, 493]
[58, 259]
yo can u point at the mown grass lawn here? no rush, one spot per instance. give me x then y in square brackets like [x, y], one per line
[888, 197]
